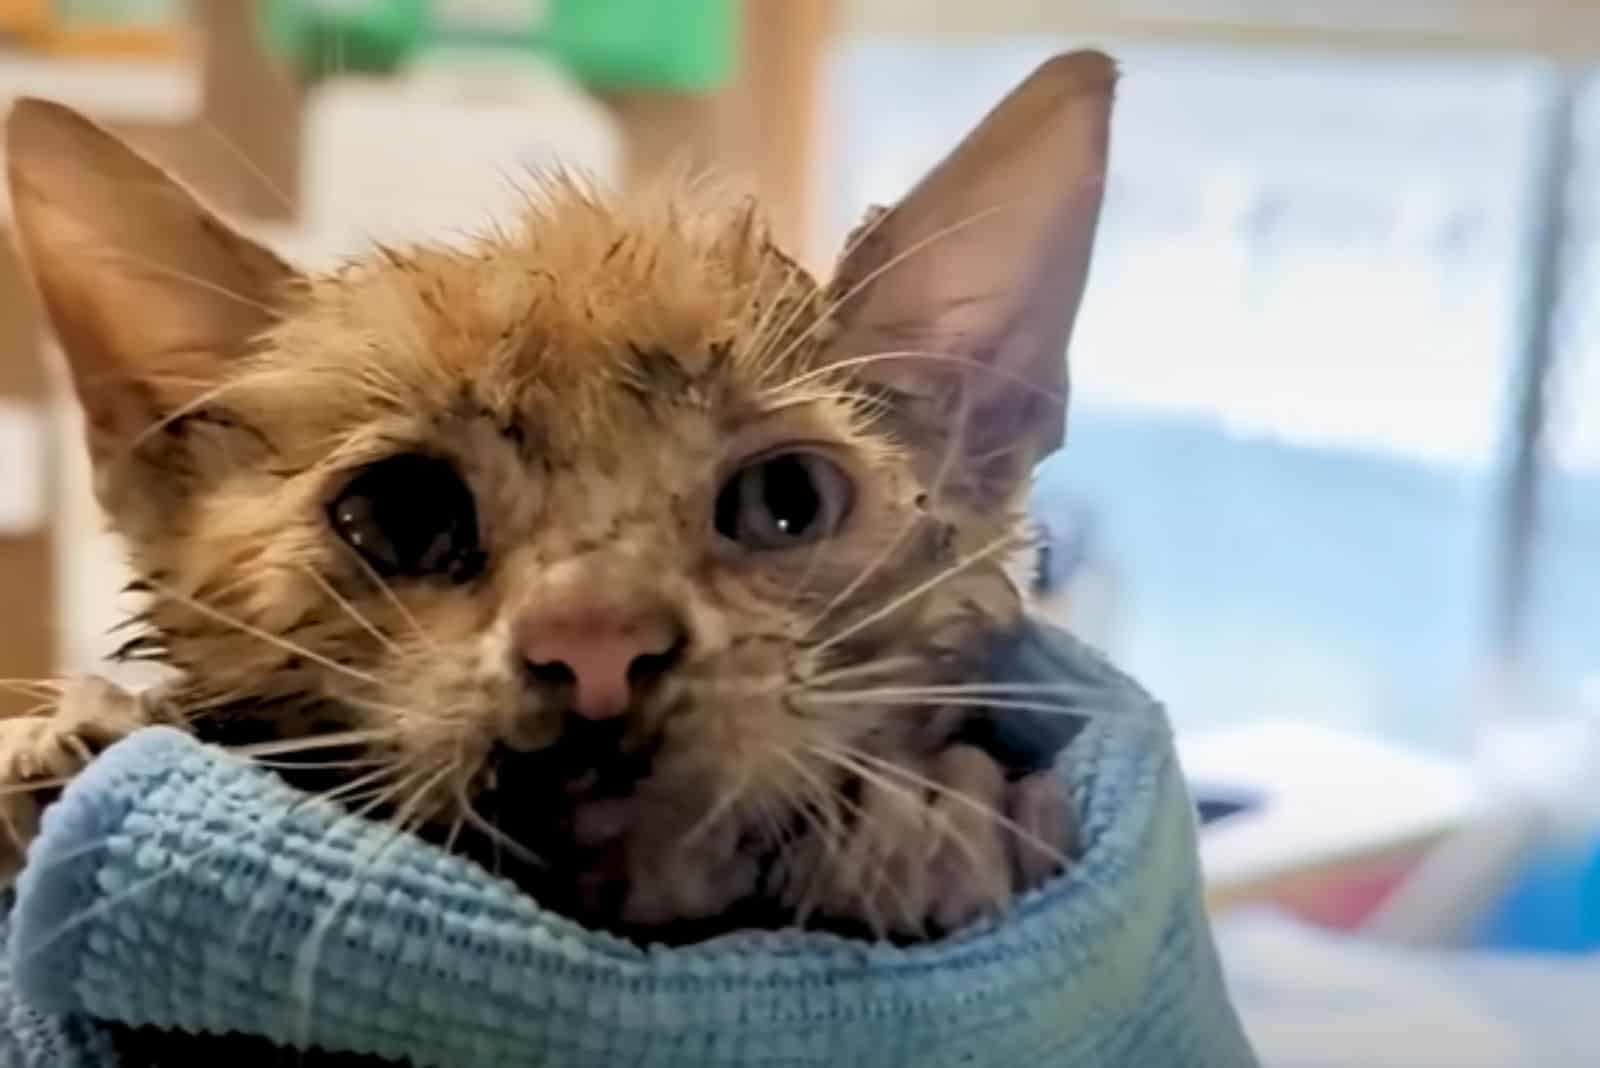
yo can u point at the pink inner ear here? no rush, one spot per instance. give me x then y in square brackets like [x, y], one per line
[148, 292]
[978, 272]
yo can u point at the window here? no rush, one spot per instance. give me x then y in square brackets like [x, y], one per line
[1292, 369]
[1563, 618]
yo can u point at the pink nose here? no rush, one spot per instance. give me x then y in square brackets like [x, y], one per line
[603, 653]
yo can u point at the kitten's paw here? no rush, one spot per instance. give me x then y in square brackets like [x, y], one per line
[681, 879]
[39, 752]
[661, 867]
[927, 852]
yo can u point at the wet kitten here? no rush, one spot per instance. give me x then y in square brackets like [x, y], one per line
[611, 550]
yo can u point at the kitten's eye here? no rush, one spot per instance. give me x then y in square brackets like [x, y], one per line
[783, 500]
[410, 515]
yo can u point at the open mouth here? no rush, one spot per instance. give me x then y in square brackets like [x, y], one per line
[552, 822]
[565, 824]
[533, 815]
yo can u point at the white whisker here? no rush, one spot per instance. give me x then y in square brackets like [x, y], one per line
[271, 639]
[997, 703]
[282, 746]
[350, 609]
[993, 547]
[924, 782]
[827, 314]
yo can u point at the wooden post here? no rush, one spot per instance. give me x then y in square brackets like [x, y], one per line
[27, 579]
[760, 132]
[24, 17]
[774, 108]
[664, 131]
[242, 153]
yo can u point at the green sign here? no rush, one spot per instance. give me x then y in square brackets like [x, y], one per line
[116, 12]
[685, 45]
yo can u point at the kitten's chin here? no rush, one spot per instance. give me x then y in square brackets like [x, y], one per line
[593, 887]
[591, 842]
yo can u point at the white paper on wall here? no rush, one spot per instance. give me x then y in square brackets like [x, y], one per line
[22, 473]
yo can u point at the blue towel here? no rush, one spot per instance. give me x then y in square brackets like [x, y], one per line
[176, 886]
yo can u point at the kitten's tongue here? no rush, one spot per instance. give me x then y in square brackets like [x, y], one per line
[595, 823]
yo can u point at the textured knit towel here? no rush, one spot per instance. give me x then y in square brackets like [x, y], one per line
[176, 886]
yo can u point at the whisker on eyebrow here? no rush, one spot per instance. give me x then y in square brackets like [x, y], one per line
[758, 288]
[930, 356]
[758, 352]
[860, 237]
[826, 314]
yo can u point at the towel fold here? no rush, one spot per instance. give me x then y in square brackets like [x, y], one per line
[176, 886]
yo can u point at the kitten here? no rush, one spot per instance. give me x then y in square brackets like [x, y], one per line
[612, 550]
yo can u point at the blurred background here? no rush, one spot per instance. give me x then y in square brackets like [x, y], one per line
[1329, 489]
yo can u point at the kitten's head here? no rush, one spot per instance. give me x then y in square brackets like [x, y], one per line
[615, 503]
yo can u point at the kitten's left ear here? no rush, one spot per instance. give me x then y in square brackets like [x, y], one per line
[975, 276]
[149, 293]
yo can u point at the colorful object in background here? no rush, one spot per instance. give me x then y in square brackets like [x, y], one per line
[102, 29]
[23, 16]
[325, 38]
[1346, 896]
[1324, 825]
[1553, 906]
[677, 45]
[118, 12]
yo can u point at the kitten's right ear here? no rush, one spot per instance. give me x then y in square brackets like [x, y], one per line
[960, 299]
[148, 292]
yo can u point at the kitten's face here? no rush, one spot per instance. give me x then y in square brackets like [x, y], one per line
[615, 526]
[596, 415]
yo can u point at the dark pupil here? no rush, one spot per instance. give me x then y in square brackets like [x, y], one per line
[790, 495]
[410, 515]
